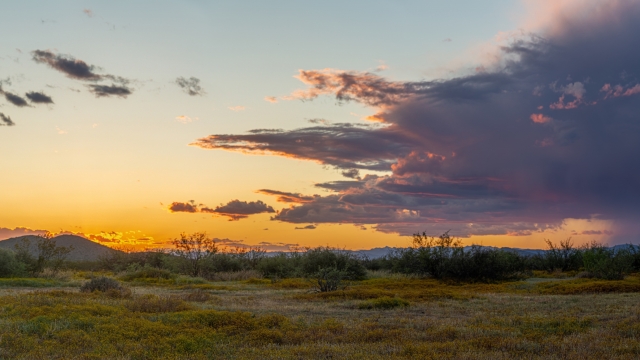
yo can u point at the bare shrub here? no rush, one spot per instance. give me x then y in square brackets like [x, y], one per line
[198, 295]
[235, 275]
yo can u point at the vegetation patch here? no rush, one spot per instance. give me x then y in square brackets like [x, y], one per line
[384, 303]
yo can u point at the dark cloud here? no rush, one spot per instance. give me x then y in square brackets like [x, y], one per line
[6, 121]
[15, 99]
[190, 86]
[190, 207]
[288, 197]
[548, 132]
[109, 90]
[308, 227]
[39, 98]
[73, 68]
[347, 146]
[234, 209]
[351, 173]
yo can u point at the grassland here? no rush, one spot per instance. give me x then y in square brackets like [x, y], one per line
[385, 317]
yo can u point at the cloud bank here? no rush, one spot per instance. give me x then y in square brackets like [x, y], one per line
[548, 132]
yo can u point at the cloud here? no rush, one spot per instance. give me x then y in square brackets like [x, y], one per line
[6, 121]
[88, 12]
[228, 245]
[8, 233]
[109, 90]
[190, 86]
[236, 108]
[234, 209]
[468, 153]
[73, 68]
[184, 119]
[540, 118]
[271, 99]
[597, 232]
[351, 173]
[38, 98]
[190, 207]
[308, 227]
[14, 99]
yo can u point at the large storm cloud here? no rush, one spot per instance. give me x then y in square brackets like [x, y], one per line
[549, 131]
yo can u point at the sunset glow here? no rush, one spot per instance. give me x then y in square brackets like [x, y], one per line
[353, 125]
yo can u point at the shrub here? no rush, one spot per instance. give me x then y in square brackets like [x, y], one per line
[563, 257]
[197, 295]
[102, 284]
[607, 263]
[329, 279]
[9, 265]
[148, 272]
[384, 303]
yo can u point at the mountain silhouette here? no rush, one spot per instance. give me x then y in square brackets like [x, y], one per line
[83, 249]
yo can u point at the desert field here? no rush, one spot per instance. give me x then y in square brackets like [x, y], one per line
[387, 316]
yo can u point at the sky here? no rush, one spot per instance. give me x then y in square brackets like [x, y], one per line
[296, 123]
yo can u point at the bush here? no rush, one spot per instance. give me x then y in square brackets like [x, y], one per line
[329, 279]
[384, 303]
[607, 263]
[147, 272]
[9, 265]
[102, 284]
[563, 257]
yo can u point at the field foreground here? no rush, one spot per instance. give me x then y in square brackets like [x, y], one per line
[380, 318]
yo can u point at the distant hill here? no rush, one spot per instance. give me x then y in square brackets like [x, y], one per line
[83, 249]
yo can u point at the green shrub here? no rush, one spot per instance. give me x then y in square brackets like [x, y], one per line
[148, 272]
[9, 265]
[384, 303]
[102, 284]
[607, 263]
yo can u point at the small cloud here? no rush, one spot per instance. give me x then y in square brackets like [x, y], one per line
[39, 98]
[88, 12]
[271, 99]
[190, 207]
[381, 67]
[308, 227]
[447, 40]
[6, 120]
[113, 90]
[184, 119]
[236, 108]
[265, 229]
[14, 99]
[319, 121]
[351, 173]
[190, 86]
[94, 126]
[72, 67]
[540, 118]
[60, 131]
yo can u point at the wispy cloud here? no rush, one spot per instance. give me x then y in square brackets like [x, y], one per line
[191, 86]
[109, 90]
[66, 64]
[236, 108]
[6, 121]
[271, 99]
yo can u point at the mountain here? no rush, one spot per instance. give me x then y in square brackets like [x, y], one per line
[83, 249]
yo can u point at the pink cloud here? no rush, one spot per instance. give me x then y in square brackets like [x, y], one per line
[540, 118]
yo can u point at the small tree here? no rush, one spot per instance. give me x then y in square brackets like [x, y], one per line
[47, 254]
[195, 249]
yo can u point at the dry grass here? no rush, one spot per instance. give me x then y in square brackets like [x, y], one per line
[257, 319]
